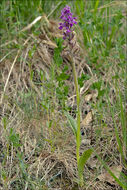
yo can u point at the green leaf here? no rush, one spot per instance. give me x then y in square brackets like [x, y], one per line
[96, 6]
[82, 79]
[82, 161]
[4, 122]
[62, 77]
[72, 123]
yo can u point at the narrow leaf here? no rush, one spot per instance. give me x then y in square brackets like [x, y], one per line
[123, 175]
[72, 123]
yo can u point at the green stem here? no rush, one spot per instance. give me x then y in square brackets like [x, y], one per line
[78, 109]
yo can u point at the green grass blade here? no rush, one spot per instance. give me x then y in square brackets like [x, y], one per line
[123, 178]
[123, 121]
[122, 174]
[96, 6]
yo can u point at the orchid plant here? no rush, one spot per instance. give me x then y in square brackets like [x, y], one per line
[67, 26]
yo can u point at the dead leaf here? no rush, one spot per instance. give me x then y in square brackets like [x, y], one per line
[107, 177]
[86, 141]
[87, 119]
[107, 131]
[93, 163]
[88, 97]
[95, 95]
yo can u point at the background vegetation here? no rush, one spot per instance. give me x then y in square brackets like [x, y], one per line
[37, 147]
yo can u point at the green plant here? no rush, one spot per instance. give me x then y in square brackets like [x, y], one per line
[69, 21]
[81, 160]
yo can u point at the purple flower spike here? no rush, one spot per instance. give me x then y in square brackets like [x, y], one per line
[68, 23]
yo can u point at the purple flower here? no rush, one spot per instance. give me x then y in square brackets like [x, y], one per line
[68, 23]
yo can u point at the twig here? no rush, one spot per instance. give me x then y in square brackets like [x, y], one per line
[9, 76]
[39, 18]
[13, 41]
[31, 24]
[2, 96]
[6, 55]
[54, 9]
